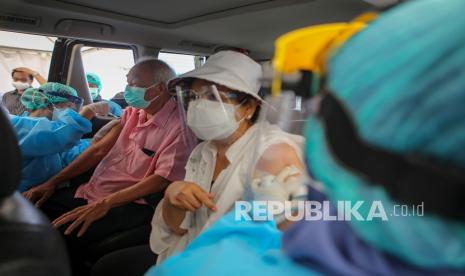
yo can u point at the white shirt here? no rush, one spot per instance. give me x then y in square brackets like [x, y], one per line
[227, 188]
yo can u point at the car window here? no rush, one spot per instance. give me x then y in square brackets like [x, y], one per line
[110, 65]
[181, 63]
[23, 50]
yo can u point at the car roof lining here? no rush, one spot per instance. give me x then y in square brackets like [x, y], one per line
[230, 11]
[253, 25]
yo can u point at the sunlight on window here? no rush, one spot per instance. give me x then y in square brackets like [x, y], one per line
[179, 62]
[23, 50]
[111, 65]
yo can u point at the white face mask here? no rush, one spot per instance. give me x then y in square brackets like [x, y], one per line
[211, 120]
[57, 113]
[20, 85]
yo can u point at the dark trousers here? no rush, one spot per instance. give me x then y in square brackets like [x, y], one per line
[132, 261]
[117, 220]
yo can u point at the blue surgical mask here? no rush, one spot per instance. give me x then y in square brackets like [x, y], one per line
[134, 96]
[93, 92]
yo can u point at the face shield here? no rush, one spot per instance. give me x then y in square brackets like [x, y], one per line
[211, 113]
[74, 102]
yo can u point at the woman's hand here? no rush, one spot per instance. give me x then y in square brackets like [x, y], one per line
[87, 113]
[188, 196]
[101, 108]
[91, 110]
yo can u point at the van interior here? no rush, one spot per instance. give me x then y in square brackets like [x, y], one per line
[147, 28]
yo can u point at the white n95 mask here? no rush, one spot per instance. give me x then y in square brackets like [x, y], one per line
[20, 85]
[212, 120]
[57, 113]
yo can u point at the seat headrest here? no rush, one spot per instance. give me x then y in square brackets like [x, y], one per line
[10, 158]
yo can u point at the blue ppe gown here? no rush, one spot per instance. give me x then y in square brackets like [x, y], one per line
[239, 247]
[115, 108]
[48, 146]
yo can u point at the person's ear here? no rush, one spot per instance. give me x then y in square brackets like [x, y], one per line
[250, 109]
[162, 87]
[48, 113]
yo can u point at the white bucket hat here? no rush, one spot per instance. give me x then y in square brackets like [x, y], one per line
[231, 69]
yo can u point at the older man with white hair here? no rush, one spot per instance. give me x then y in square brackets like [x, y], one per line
[138, 157]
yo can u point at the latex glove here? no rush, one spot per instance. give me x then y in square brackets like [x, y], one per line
[281, 187]
[286, 186]
[101, 108]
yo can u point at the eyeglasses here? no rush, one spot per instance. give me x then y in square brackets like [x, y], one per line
[209, 93]
[75, 100]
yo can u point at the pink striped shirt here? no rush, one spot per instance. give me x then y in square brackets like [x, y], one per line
[144, 148]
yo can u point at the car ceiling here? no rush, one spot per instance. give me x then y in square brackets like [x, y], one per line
[198, 26]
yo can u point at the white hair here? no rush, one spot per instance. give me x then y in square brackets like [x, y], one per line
[162, 71]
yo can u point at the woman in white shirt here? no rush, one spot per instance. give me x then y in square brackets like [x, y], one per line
[222, 105]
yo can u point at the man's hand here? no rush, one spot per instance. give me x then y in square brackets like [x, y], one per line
[39, 194]
[82, 216]
[41, 80]
[188, 196]
[27, 71]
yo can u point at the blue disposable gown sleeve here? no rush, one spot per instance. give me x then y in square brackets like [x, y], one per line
[40, 136]
[253, 246]
[69, 155]
[115, 108]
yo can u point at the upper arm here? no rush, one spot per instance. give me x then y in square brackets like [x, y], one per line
[277, 157]
[106, 129]
[107, 142]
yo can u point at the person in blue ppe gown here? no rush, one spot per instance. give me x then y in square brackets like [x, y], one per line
[50, 134]
[401, 108]
[95, 87]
